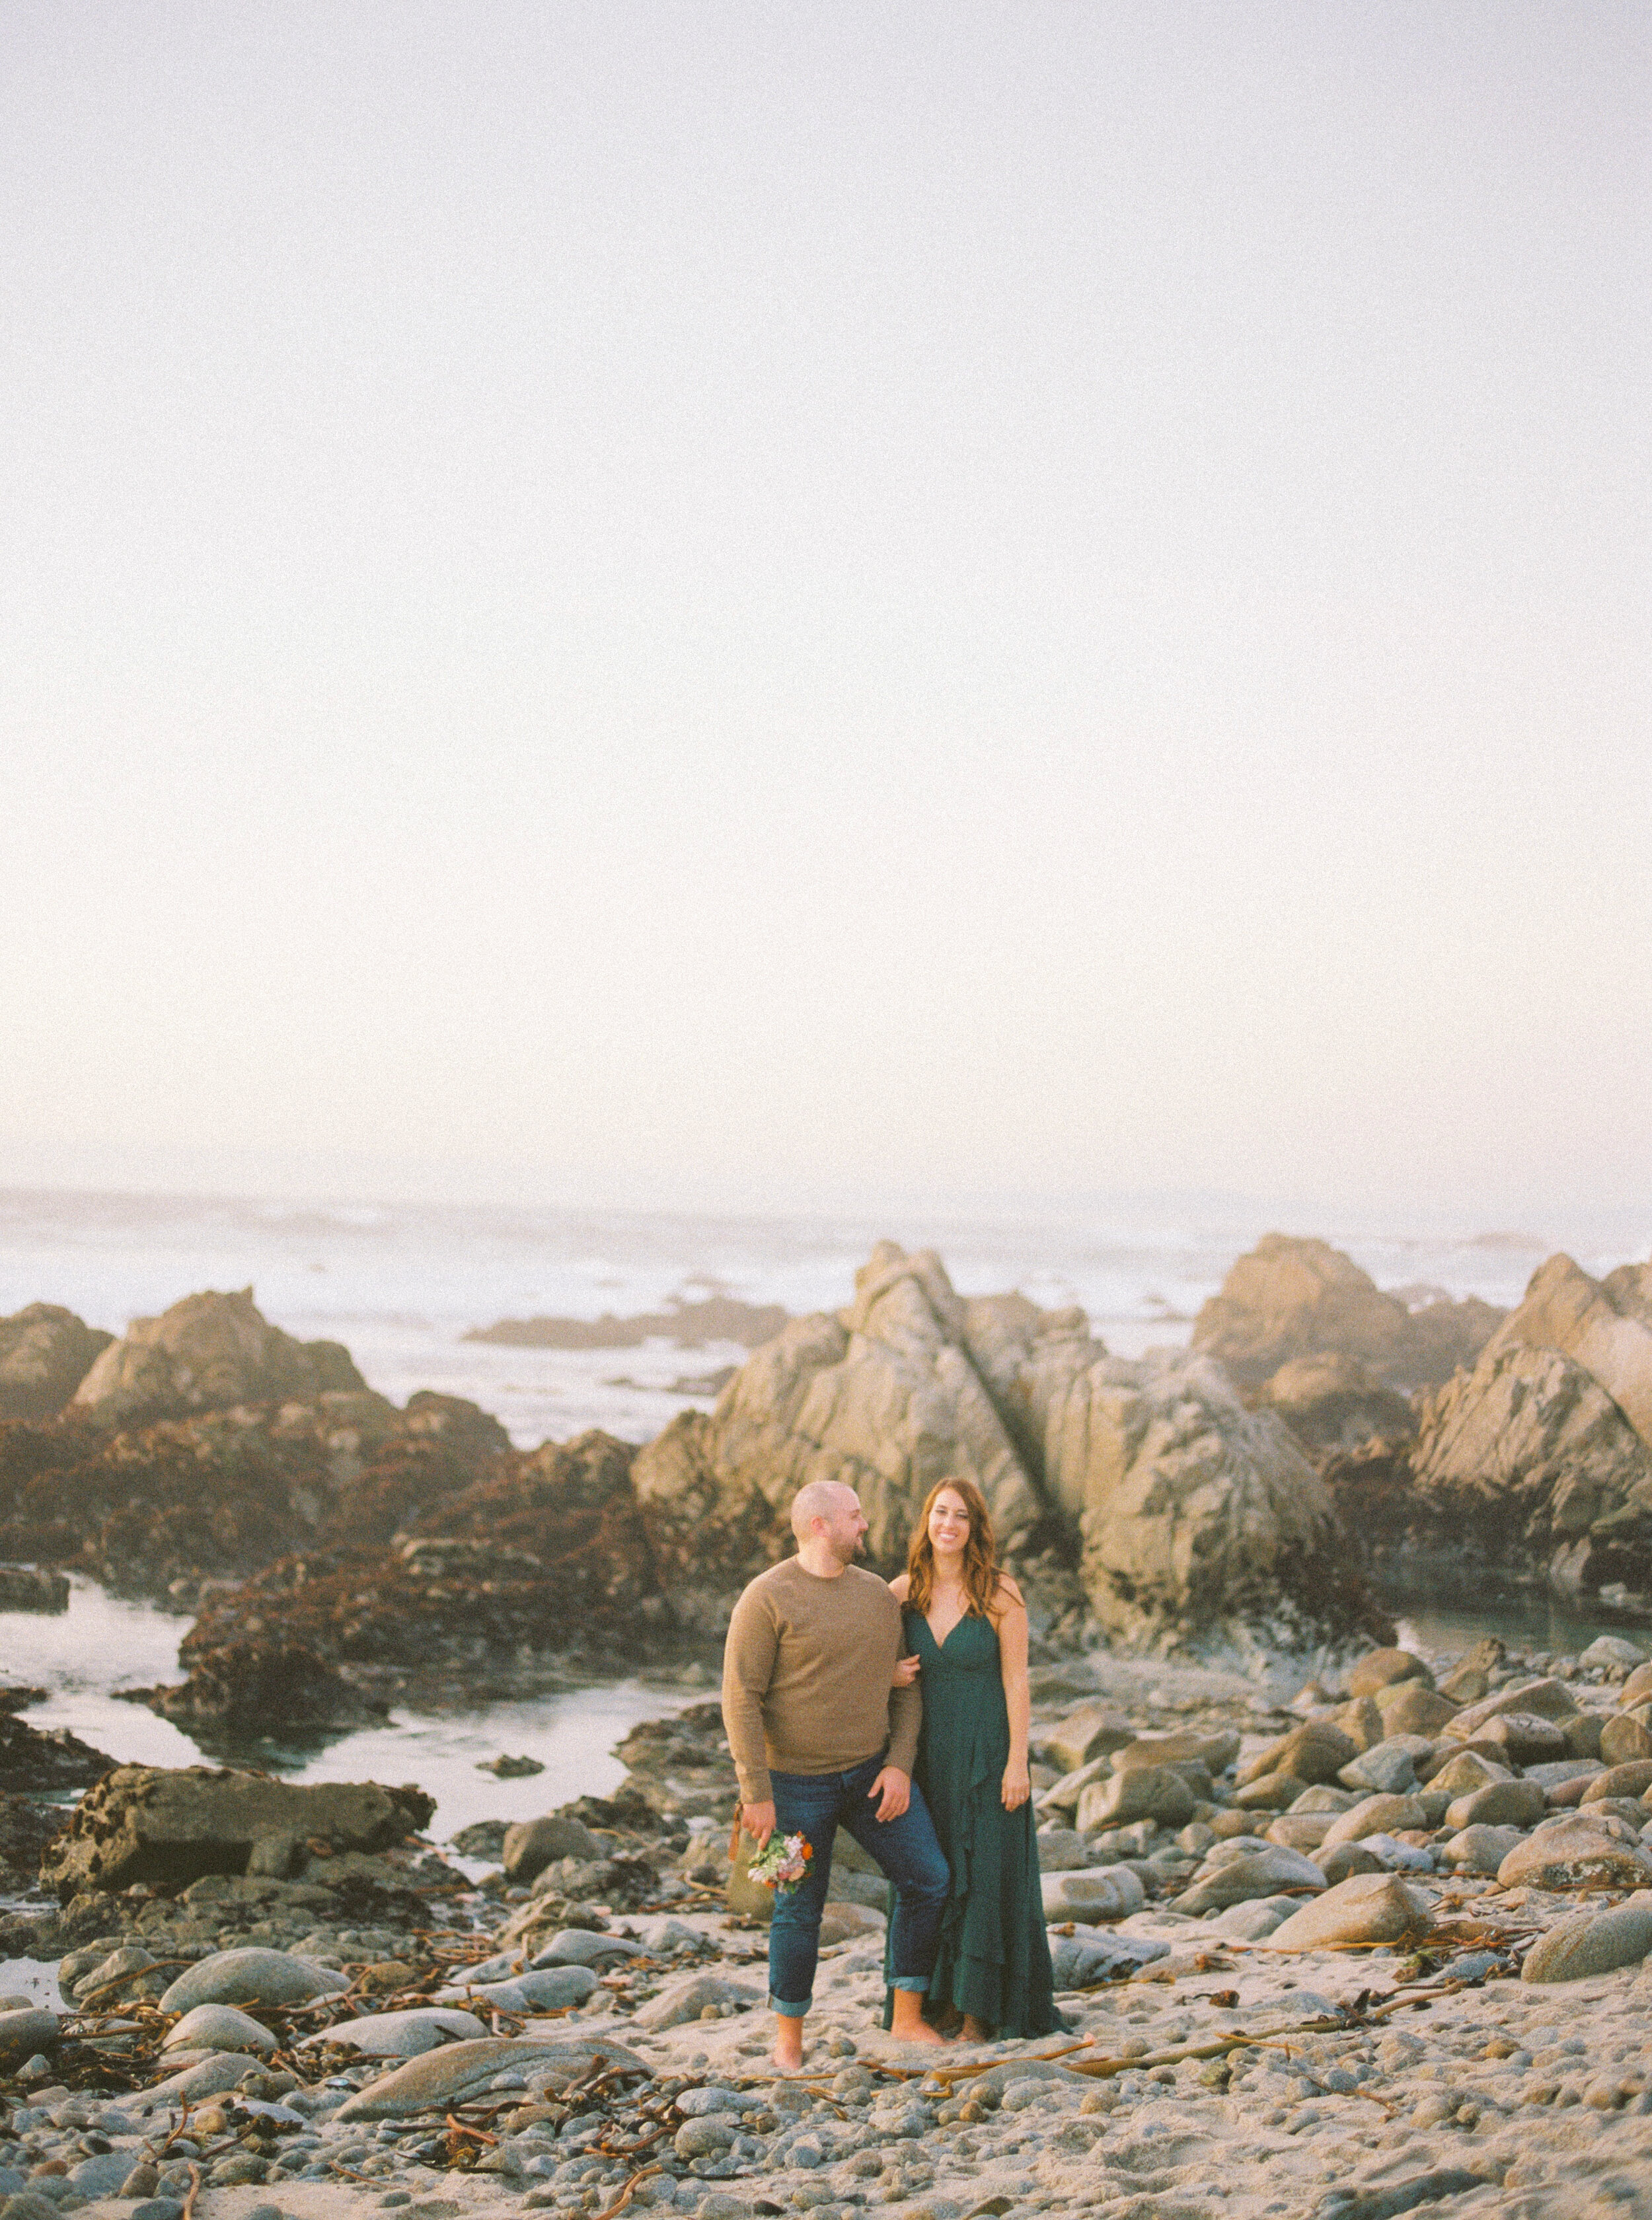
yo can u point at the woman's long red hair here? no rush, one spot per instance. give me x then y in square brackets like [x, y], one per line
[980, 1553]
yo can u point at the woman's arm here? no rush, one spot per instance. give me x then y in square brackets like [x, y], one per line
[1009, 1617]
[906, 1668]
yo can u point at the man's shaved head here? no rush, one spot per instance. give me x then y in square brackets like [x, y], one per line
[820, 1498]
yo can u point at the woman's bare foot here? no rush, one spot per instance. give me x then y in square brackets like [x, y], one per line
[907, 2020]
[788, 2045]
[973, 2031]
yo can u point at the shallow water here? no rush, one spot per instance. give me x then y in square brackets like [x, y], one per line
[1438, 1615]
[105, 1643]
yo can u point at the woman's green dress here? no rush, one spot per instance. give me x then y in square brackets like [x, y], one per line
[994, 1962]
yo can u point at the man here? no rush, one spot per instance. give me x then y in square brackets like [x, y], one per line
[822, 1741]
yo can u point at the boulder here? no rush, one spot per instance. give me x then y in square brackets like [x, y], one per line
[1631, 1779]
[1573, 1853]
[1626, 1739]
[149, 1823]
[1543, 1700]
[1299, 1830]
[1085, 1733]
[576, 1945]
[1090, 1955]
[210, 1351]
[45, 1352]
[555, 1988]
[1215, 1752]
[1479, 1849]
[1592, 1943]
[220, 2027]
[1387, 1668]
[1340, 1862]
[1461, 1774]
[1366, 1909]
[1360, 1720]
[1093, 1893]
[1412, 1709]
[537, 1843]
[1388, 1769]
[1497, 1804]
[1375, 1814]
[399, 2034]
[1610, 1649]
[1638, 1686]
[1150, 1791]
[24, 2031]
[1604, 1325]
[687, 1997]
[1523, 1739]
[1263, 1873]
[251, 1977]
[451, 2076]
[1291, 1297]
[1315, 1751]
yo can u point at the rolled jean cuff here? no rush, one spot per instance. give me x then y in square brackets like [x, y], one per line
[794, 2011]
[919, 1981]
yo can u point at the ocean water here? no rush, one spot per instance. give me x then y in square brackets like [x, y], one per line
[399, 1283]
[103, 1643]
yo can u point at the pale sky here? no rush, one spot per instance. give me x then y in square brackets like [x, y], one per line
[761, 604]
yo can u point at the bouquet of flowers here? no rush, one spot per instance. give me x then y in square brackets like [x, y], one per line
[782, 1862]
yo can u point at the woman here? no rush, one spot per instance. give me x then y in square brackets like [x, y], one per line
[966, 1625]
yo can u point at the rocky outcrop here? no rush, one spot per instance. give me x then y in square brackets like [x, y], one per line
[45, 1352]
[149, 1823]
[210, 1351]
[36, 1761]
[1604, 1326]
[1290, 1298]
[1182, 1510]
[1536, 1458]
[688, 1325]
[152, 1509]
[884, 1395]
[546, 1557]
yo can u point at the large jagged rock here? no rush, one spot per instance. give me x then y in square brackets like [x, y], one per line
[1291, 1297]
[1193, 1513]
[1604, 1325]
[210, 1351]
[884, 1395]
[1535, 1456]
[148, 1824]
[45, 1352]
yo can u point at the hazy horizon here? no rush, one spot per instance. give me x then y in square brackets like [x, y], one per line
[746, 609]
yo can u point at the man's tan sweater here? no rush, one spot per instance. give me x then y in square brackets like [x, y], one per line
[805, 1677]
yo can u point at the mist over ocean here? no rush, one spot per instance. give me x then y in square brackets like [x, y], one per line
[399, 1283]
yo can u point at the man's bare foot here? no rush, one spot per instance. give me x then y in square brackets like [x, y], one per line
[907, 2020]
[788, 2045]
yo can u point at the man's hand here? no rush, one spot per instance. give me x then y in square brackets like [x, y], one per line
[892, 1790]
[758, 1820]
[905, 1671]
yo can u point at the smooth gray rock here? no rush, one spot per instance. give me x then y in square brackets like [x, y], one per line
[1090, 1955]
[1573, 1852]
[707, 2138]
[537, 1843]
[1095, 1893]
[698, 2103]
[1238, 1880]
[1252, 1922]
[104, 2174]
[1388, 1769]
[1371, 1908]
[686, 1998]
[252, 1977]
[219, 2027]
[401, 2034]
[209, 2077]
[1592, 1943]
[24, 2032]
[580, 1946]
[1499, 1804]
[1479, 1849]
[463, 2070]
[553, 1989]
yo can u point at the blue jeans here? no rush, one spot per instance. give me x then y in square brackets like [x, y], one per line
[816, 1804]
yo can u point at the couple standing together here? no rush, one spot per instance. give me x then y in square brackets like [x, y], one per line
[900, 1713]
